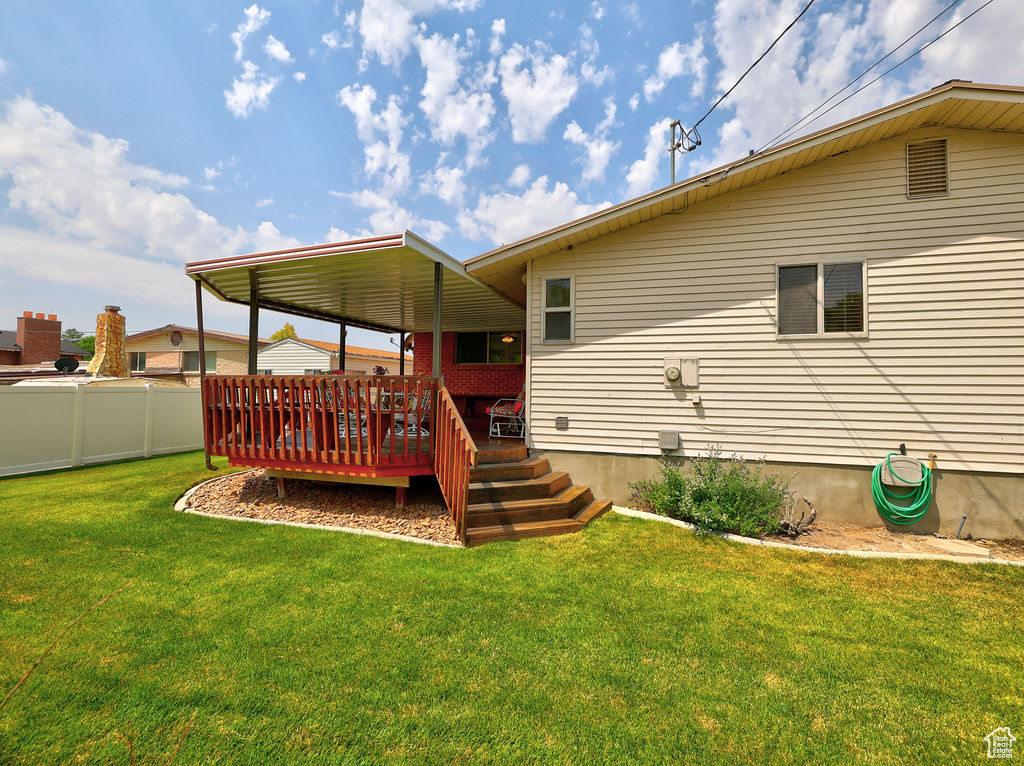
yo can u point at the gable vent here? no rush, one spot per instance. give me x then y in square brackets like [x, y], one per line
[927, 169]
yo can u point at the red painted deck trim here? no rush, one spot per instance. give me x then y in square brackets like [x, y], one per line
[370, 472]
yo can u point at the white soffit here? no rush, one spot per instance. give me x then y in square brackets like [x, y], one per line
[383, 283]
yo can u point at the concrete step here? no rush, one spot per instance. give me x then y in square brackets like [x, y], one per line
[530, 468]
[547, 485]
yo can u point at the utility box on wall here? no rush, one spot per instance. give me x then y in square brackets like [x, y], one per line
[682, 373]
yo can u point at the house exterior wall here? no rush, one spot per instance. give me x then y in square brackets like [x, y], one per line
[497, 380]
[293, 358]
[940, 368]
[39, 338]
[232, 357]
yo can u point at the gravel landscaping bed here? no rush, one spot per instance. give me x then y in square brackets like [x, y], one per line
[855, 537]
[250, 494]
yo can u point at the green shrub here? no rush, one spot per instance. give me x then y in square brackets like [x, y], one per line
[718, 495]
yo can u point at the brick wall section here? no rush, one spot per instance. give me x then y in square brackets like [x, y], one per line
[497, 380]
[163, 360]
[39, 338]
[10, 357]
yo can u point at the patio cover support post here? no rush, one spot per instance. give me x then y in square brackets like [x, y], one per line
[438, 284]
[254, 320]
[202, 369]
[401, 353]
[341, 347]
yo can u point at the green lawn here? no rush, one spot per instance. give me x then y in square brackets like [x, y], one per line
[630, 642]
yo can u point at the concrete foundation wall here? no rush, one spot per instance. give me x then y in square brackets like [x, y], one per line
[993, 502]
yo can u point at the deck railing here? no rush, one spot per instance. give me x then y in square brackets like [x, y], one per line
[378, 425]
[454, 457]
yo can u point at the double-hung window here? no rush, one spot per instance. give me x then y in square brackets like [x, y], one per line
[821, 299]
[558, 310]
[191, 361]
[137, 360]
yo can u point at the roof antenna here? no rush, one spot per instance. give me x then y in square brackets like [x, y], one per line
[681, 140]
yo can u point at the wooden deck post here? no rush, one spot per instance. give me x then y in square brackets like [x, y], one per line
[202, 374]
[254, 321]
[400, 497]
[438, 285]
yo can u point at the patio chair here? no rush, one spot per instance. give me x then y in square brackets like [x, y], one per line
[507, 421]
[409, 420]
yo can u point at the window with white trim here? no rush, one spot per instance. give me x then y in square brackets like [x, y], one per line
[558, 310]
[821, 299]
[137, 361]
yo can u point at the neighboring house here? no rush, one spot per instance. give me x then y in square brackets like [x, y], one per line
[300, 356]
[823, 302]
[172, 351]
[36, 341]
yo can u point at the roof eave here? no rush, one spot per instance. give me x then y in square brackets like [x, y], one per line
[892, 111]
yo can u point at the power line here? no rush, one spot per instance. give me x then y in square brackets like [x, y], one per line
[789, 131]
[758, 61]
[785, 133]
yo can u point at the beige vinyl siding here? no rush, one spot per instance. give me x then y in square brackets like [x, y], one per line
[941, 366]
[294, 359]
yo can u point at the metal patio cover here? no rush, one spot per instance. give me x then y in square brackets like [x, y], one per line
[382, 283]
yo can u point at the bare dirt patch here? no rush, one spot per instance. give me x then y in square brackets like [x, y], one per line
[250, 494]
[854, 537]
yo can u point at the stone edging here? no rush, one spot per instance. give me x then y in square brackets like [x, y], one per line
[805, 549]
[182, 501]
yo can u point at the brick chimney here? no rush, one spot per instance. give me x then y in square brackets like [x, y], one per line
[39, 338]
[109, 361]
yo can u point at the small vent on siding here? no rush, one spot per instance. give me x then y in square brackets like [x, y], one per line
[927, 169]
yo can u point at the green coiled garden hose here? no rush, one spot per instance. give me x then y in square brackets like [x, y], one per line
[909, 507]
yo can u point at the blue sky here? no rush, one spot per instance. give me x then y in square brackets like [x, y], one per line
[136, 136]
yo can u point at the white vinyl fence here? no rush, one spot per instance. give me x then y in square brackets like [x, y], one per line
[44, 427]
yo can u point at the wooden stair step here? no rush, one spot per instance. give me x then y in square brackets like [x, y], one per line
[512, 453]
[569, 500]
[547, 485]
[590, 512]
[478, 535]
[529, 468]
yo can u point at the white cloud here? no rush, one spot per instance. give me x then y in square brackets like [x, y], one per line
[383, 157]
[388, 26]
[597, 10]
[255, 19]
[446, 183]
[299, 76]
[338, 235]
[520, 175]
[497, 32]
[388, 217]
[331, 39]
[590, 49]
[101, 221]
[210, 173]
[506, 217]
[452, 110]
[277, 50]
[644, 173]
[598, 148]
[537, 89]
[634, 102]
[3, 66]
[250, 91]
[677, 60]
[265, 202]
